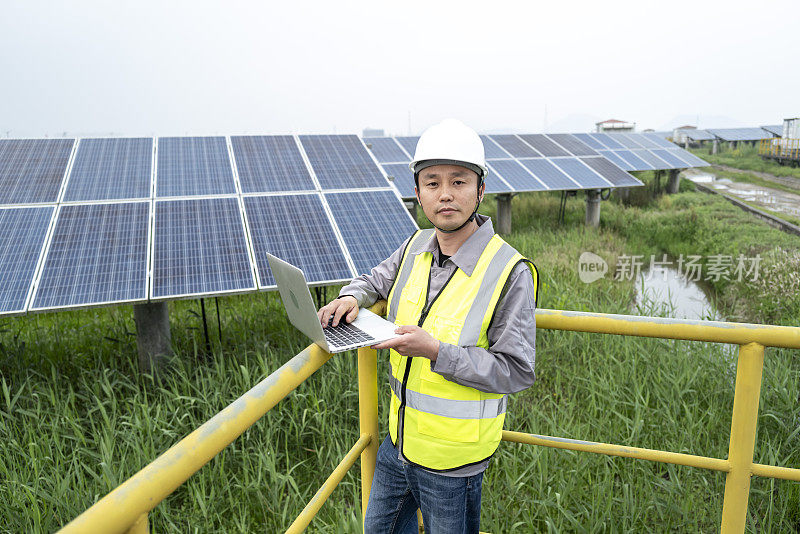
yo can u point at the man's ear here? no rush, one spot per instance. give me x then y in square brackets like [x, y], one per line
[416, 193]
[481, 191]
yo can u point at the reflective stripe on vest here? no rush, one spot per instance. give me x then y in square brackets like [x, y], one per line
[457, 409]
[437, 423]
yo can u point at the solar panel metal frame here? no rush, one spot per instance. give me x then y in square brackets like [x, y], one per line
[39, 260]
[86, 305]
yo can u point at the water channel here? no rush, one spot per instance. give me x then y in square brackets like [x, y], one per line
[765, 197]
[663, 291]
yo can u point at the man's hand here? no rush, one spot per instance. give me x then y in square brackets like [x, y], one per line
[338, 308]
[413, 341]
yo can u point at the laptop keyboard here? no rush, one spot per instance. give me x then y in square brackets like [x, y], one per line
[345, 334]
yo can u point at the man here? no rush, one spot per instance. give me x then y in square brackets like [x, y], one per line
[465, 301]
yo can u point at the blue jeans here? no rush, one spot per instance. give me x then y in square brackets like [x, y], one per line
[450, 505]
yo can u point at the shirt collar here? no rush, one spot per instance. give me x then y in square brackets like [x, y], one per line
[467, 255]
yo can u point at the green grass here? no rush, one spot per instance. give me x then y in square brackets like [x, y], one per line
[77, 419]
[745, 157]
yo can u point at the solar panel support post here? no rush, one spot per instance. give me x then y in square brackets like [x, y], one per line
[715, 146]
[673, 181]
[153, 337]
[205, 325]
[504, 213]
[593, 207]
[411, 206]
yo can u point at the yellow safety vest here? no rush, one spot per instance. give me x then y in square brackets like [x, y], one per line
[436, 423]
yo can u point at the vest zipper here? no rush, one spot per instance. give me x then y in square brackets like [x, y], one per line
[401, 410]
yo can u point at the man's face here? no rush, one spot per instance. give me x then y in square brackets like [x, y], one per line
[448, 194]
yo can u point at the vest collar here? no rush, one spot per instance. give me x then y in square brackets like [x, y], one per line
[467, 255]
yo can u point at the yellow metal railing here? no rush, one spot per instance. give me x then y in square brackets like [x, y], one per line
[125, 509]
[780, 148]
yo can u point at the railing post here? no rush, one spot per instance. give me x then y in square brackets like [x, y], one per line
[368, 418]
[743, 437]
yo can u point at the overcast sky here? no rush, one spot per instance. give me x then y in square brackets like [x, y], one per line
[198, 68]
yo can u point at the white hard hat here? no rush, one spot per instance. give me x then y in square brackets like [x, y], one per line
[450, 142]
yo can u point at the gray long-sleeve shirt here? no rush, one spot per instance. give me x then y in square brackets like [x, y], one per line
[507, 366]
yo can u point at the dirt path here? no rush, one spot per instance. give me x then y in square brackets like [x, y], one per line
[794, 183]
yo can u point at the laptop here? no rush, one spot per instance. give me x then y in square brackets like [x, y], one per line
[367, 329]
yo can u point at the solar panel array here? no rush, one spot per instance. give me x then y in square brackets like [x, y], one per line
[641, 151]
[549, 162]
[128, 220]
[699, 135]
[740, 134]
[774, 129]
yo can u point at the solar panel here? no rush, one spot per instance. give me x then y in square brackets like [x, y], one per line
[543, 145]
[636, 163]
[98, 254]
[22, 235]
[515, 146]
[690, 158]
[111, 169]
[642, 140]
[624, 140]
[494, 184]
[671, 158]
[699, 135]
[342, 162]
[387, 150]
[590, 141]
[549, 174]
[580, 173]
[573, 144]
[296, 229]
[659, 139]
[740, 134]
[403, 178]
[31, 170]
[516, 175]
[611, 172]
[199, 247]
[268, 163]
[614, 158]
[774, 129]
[193, 166]
[651, 159]
[374, 234]
[492, 150]
[409, 144]
[662, 134]
[607, 141]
